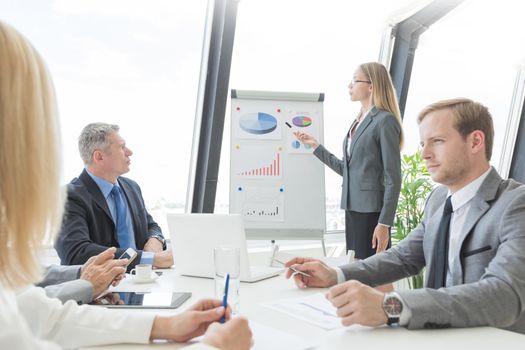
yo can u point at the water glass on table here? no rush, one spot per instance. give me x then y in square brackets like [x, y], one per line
[227, 261]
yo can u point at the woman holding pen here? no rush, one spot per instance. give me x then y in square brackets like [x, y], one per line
[371, 164]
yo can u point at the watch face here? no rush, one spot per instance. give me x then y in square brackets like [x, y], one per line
[392, 306]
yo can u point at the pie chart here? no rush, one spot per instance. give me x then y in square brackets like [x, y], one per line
[258, 123]
[302, 121]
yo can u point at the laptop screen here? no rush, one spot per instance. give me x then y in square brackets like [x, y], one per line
[194, 236]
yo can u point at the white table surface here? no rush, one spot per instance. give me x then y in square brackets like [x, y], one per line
[252, 295]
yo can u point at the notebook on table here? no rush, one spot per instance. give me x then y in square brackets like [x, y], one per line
[194, 236]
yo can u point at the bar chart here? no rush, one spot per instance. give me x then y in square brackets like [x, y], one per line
[266, 170]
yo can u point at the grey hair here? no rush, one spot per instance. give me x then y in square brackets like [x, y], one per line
[94, 136]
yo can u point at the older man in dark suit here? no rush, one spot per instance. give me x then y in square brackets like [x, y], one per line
[105, 209]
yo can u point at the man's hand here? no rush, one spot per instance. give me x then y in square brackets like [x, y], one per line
[191, 323]
[232, 335]
[380, 238]
[102, 270]
[163, 259]
[358, 303]
[321, 275]
[153, 245]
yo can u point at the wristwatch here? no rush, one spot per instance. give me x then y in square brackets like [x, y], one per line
[393, 306]
[161, 239]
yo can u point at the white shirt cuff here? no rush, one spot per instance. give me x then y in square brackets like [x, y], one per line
[340, 275]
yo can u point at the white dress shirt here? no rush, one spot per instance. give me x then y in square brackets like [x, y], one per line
[360, 118]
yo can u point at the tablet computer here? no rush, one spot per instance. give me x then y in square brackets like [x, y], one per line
[136, 300]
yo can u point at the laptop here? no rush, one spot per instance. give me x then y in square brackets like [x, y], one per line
[194, 236]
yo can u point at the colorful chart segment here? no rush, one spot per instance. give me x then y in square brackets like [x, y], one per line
[296, 145]
[302, 121]
[258, 123]
[273, 169]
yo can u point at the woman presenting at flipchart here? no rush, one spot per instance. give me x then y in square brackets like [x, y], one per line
[371, 164]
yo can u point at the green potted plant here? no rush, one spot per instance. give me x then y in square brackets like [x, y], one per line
[416, 185]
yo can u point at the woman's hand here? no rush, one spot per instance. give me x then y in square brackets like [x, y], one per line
[232, 335]
[191, 323]
[307, 139]
[380, 238]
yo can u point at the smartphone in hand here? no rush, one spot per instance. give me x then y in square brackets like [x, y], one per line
[129, 254]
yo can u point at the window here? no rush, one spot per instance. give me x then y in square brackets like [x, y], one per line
[472, 52]
[132, 63]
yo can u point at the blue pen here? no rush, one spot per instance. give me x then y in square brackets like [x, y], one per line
[225, 297]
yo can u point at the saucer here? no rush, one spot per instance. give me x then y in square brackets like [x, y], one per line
[134, 279]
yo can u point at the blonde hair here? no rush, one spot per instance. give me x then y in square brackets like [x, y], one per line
[468, 116]
[30, 195]
[383, 92]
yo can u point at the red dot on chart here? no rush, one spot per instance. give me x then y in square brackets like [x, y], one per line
[278, 110]
[238, 108]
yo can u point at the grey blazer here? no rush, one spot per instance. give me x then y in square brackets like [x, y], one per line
[62, 282]
[372, 172]
[488, 283]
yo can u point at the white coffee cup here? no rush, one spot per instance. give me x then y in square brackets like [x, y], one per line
[142, 272]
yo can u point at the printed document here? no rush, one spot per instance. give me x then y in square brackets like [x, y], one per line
[315, 309]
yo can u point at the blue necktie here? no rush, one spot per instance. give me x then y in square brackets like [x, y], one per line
[122, 227]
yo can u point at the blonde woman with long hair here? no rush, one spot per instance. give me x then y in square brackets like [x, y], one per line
[31, 203]
[371, 163]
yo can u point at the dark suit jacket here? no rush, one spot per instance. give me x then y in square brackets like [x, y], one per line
[88, 228]
[372, 172]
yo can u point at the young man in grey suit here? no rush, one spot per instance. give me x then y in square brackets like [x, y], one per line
[471, 240]
[83, 283]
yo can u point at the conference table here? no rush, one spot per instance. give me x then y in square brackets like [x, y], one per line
[254, 296]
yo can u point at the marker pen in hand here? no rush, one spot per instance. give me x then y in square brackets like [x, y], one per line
[225, 297]
[296, 133]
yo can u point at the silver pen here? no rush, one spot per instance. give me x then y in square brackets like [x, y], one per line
[293, 268]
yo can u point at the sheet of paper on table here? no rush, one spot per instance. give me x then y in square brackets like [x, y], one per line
[314, 309]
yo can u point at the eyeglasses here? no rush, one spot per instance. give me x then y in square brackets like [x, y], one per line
[355, 81]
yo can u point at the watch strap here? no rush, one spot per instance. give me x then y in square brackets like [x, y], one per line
[392, 321]
[160, 239]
